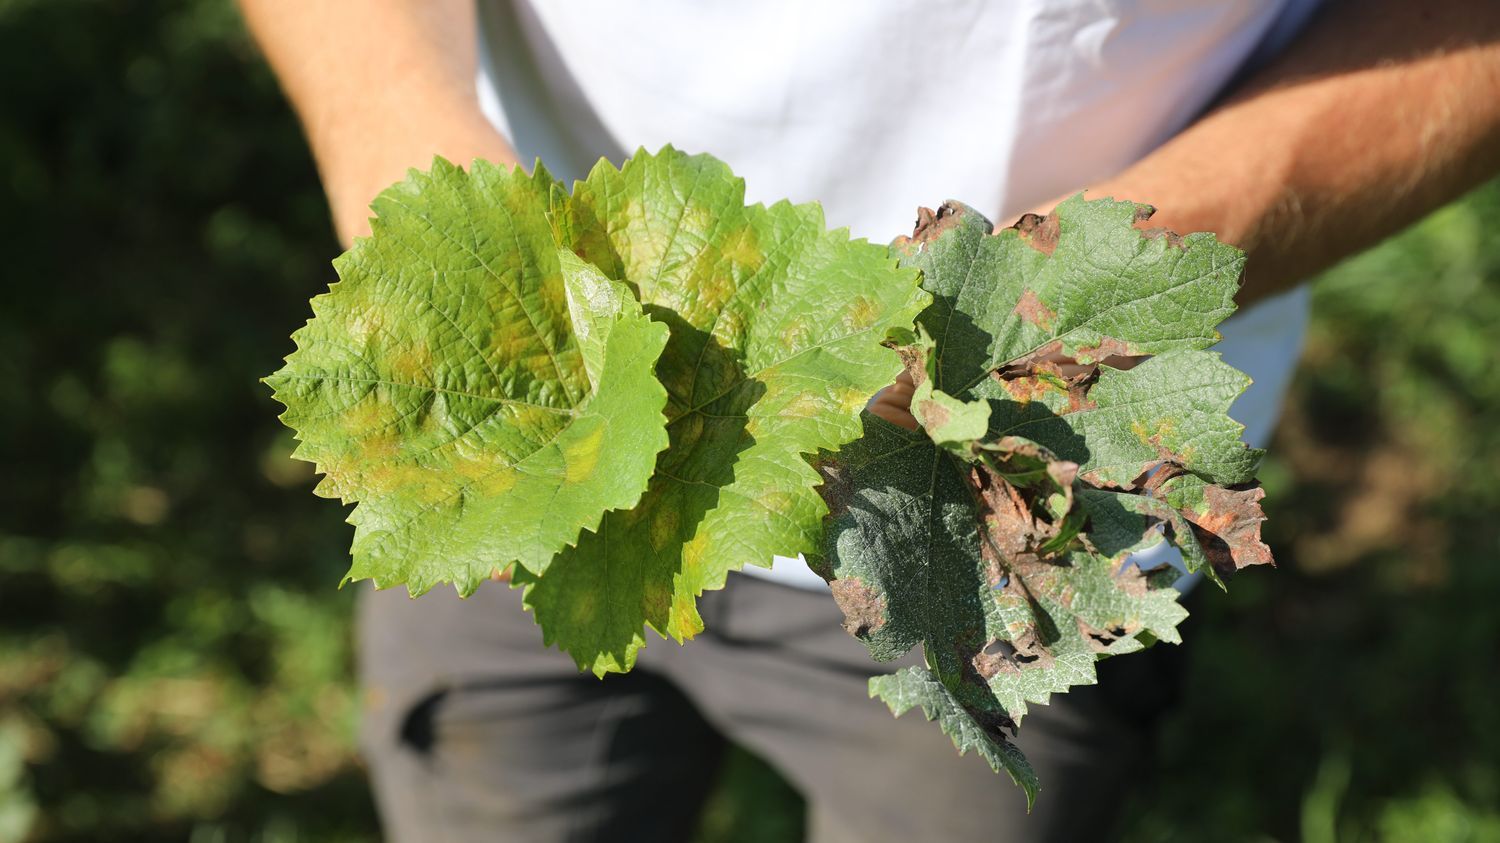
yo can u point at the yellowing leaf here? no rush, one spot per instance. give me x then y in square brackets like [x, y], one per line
[776, 323]
[481, 395]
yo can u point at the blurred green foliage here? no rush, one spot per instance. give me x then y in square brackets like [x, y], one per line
[1351, 695]
[175, 660]
[174, 657]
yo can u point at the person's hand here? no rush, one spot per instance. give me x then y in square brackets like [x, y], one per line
[894, 403]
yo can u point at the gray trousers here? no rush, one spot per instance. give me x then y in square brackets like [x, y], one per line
[474, 732]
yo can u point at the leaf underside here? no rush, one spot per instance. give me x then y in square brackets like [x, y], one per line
[997, 535]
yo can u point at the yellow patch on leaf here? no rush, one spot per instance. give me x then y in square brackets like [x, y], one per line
[580, 458]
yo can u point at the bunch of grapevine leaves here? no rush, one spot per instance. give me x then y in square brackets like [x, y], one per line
[608, 392]
[621, 392]
[1068, 417]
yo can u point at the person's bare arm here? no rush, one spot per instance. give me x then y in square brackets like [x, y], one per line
[380, 86]
[1381, 112]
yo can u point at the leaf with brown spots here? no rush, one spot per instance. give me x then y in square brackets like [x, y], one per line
[1003, 548]
[1225, 521]
[1217, 528]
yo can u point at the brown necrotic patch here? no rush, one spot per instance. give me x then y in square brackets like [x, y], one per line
[1229, 531]
[864, 609]
[1039, 232]
[1102, 640]
[934, 415]
[1046, 371]
[1031, 309]
[931, 224]
[1025, 652]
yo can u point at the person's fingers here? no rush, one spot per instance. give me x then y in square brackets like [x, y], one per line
[896, 414]
[894, 403]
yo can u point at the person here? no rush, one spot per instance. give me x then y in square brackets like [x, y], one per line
[1300, 133]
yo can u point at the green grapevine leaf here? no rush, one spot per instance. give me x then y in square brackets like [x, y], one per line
[1002, 548]
[634, 389]
[950, 422]
[775, 347]
[911, 687]
[616, 389]
[483, 396]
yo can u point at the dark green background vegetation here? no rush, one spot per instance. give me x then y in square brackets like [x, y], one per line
[175, 658]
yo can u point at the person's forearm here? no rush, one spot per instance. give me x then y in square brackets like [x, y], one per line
[380, 86]
[1380, 113]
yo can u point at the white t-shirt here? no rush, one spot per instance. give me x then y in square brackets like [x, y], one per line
[874, 107]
